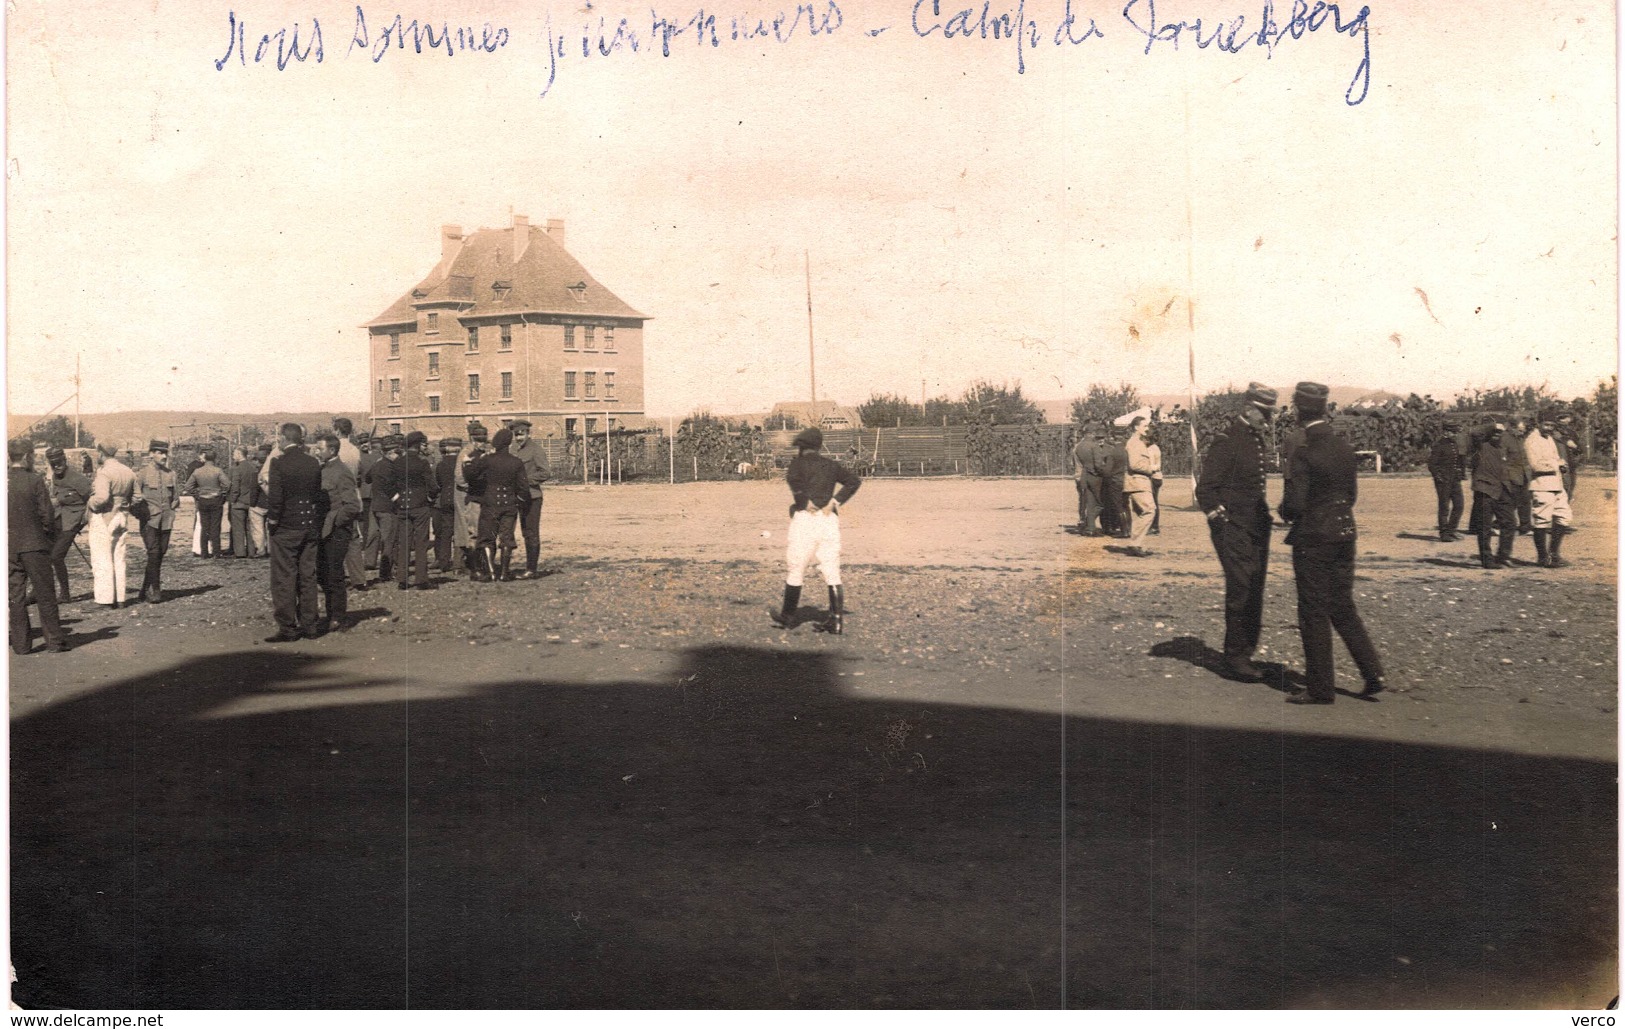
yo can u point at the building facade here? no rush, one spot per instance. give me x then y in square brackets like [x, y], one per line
[507, 324]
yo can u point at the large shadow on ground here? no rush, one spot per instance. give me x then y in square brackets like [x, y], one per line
[755, 836]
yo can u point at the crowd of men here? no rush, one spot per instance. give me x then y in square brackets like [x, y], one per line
[325, 515]
[1118, 476]
[1522, 472]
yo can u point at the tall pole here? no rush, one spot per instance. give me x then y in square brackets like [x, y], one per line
[1190, 279]
[812, 371]
[76, 400]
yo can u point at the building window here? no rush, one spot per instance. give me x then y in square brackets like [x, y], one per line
[434, 402]
[592, 426]
[380, 387]
[591, 332]
[507, 338]
[395, 428]
[569, 426]
[591, 379]
[434, 364]
[507, 385]
[569, 337]
[612, 425]
[394, 346]
[609, 385]
[473, 388]
[431, 322]
[394, 391]
[473, 339]
[609, 337]
[569, 385]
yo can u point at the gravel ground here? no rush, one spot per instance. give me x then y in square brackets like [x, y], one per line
[1014, 781]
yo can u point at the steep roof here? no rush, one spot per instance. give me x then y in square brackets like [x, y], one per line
[540, 282]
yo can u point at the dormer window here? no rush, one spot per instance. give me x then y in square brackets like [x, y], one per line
[501, 288]
[579, 291]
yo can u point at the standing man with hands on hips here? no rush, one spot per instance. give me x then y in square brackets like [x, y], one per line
[815, 527]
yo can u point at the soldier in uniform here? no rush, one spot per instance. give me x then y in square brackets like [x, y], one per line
[364, 524]
[536, 472]
[1494, 495]
[815, 527]
[31, 527]
[467, 527]
[349, 452]
[1518, 467]
[338, 532]
[1113, 501]
[498, 483]
[1230, 493]
[208, 485]
[70, 492]
[385, 477]
[155, 483]
[111, 490]
[445, 505]
[1551, 513]
[256, 512]
[1446, 463]
[240, 499]
[1319, 505]
[296, 508]
[414, 510]
[1086, 478]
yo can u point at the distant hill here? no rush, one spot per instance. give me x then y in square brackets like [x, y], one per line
[132, 430]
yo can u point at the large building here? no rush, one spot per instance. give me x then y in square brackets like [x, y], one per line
[507, 324]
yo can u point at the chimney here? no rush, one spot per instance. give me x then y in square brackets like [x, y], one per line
[451, 244]
[521, 236]
[555, 230]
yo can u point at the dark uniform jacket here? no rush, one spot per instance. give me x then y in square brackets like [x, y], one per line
[413, 484]
[1233, 476]
[245, 484]
[369, 461]
[28, 505]
[1445, 460]
[296, 499]
[1321, 489]
[1517, 465]
[70, 494]
[1088, 454]
[343, 503]
[1491, 474]
[535, 461]
[812, 479]
[445, 475]
[207, 482]
[497, 481]
[1112, 462]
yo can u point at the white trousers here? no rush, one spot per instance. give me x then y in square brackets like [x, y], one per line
[813, 537]
[109, 539]
[1548, 506]
[256, 530]
[1142, 512]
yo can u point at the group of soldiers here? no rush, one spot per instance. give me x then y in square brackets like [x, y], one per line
[1523, 474]
[1118, 476]
[324, 515]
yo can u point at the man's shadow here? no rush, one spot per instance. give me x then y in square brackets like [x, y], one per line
[1193, 650]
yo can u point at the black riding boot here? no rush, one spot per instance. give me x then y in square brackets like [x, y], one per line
[1541, 556]
[835, 623]
[503, 571]
[1558, 532]
[784, 618]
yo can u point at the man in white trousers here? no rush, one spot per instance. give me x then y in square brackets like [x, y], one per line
[108, 526]
[815, 527]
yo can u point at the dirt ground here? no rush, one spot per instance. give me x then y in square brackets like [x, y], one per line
[1015, 781]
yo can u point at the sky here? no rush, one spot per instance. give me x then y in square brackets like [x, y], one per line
[1059, 214]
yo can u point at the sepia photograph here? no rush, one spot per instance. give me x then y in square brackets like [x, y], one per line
[874, 505]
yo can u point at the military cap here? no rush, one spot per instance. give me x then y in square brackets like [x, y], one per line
[17, 449]
[361, 437]
[161, 445]
[266, 448]
[502, 440]
[811, 439]
[416, 438]
[1262, 395]
[450, 441]
[517, 422]
[394, 441]
[54, 454]
[1310, 397]
[476, 430]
